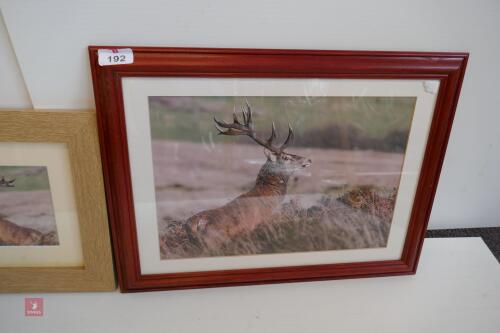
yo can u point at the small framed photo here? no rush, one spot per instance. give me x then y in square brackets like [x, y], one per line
[239, 166]
[53, 222]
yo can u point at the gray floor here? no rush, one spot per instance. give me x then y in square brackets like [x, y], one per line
[491, 236]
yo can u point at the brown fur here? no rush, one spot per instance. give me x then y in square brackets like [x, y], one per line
[252, 208]
[12, 234]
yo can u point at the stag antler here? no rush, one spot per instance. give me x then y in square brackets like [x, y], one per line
[247, 128]
[7, 183]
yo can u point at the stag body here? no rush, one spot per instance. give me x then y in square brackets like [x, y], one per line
[256, 206]
[13, 234]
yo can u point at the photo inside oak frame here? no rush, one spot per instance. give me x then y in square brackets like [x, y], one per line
[54, 233]
[239, 166]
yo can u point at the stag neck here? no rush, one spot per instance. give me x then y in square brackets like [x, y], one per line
[269, 180]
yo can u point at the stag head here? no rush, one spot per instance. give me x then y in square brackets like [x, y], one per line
[276, 155]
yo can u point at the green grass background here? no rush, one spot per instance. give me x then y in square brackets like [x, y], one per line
[371, 118]
[28, 178]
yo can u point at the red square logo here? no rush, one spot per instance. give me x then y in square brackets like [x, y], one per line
[33, 307]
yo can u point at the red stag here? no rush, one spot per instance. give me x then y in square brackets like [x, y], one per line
[254, 207]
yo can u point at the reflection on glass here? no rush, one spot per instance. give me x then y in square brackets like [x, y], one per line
[332, 186]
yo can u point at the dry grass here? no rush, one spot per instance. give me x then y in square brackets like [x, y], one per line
[330, 224]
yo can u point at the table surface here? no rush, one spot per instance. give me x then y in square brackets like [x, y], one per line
[456, 289]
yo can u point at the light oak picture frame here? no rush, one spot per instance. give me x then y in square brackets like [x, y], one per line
[77, 130]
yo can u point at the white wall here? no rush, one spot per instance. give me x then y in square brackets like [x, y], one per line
[13, 92]
[50, 40]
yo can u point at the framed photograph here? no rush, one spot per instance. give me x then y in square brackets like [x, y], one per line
[53, 223]
[240, 166]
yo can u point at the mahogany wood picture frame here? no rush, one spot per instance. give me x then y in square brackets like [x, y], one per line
[77, 130]
[448, 68]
